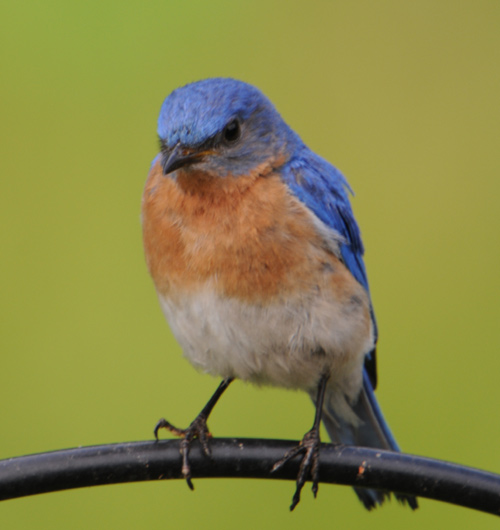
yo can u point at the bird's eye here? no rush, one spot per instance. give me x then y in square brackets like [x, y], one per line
[232, 131]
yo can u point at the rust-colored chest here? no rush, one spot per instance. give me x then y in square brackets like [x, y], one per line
[247, 236]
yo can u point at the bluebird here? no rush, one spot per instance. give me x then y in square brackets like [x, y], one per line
[257, 260]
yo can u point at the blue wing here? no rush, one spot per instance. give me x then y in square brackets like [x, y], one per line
[324, 190]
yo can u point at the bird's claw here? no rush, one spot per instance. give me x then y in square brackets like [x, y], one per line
[197, 429]
[164, 424]
[309, 466]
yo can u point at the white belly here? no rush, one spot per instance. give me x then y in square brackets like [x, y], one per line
[289, 344]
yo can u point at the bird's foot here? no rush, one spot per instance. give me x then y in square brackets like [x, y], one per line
[197, 429]
[309, 466]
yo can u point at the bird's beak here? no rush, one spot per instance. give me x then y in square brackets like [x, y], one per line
[180, 156]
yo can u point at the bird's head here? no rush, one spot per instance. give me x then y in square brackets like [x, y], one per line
[222, 127]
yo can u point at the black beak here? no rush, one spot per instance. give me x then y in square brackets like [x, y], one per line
[178, 157]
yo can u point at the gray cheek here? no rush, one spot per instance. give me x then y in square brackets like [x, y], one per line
[231, 165]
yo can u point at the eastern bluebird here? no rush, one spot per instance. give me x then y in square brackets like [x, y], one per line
[258, 264]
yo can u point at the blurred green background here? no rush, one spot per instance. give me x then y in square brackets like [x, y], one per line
[402, 96]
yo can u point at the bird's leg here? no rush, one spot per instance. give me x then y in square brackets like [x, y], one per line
[310, 447]
[197, 429]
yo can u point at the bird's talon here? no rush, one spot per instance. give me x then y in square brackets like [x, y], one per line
[295, 500]
[164, 424]
[190, 484]
[309, 465]
[287, 457]
[315, 489]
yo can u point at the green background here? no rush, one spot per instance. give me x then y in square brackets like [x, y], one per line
[403, 97]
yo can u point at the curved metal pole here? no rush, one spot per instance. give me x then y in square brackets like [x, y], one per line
[248, 458]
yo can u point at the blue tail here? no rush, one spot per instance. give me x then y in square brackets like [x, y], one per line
[371, 431]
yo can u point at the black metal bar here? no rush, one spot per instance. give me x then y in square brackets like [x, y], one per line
[248, 458]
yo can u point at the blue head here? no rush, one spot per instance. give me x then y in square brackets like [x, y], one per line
[221, 126]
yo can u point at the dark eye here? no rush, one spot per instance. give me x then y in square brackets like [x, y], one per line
[232, 131]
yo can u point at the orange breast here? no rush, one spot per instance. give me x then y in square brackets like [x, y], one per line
[248, 236]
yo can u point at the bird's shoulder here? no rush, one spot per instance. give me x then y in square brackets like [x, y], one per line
[323, 189]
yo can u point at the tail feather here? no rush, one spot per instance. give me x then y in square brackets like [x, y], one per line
[366, 429]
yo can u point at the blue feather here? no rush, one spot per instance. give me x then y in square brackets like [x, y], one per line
[324, 190]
